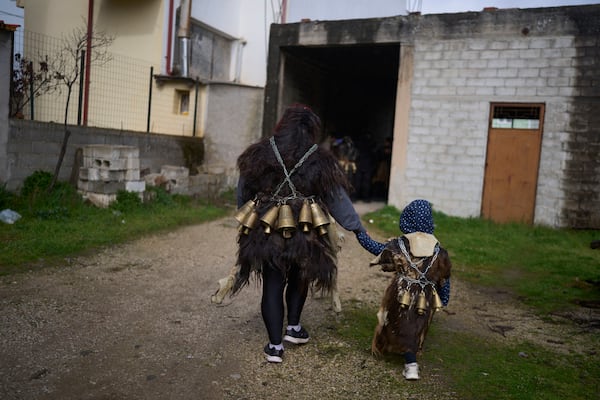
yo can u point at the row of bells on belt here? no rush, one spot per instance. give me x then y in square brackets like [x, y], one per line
[281, 218]
[421, 301]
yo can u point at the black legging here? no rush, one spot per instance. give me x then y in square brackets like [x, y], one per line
[271, 306]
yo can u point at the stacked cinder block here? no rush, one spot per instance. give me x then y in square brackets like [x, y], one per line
[177, 180]
[174, 179]
[106, 170]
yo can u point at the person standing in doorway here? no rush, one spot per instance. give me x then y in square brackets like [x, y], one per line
[365, 167]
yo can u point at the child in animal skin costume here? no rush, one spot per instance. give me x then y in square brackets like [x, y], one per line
[421, 284]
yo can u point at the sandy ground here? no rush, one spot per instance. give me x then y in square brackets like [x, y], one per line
[135, 321]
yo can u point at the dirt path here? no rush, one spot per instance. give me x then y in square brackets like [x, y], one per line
[136, 322]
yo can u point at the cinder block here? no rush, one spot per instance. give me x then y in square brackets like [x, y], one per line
[88, 161]
[132, 174]
[102, 151]
[110, 152]
[155, 179]
[112, 165]
[132, 163]
[108, 175]
[111, 156]
[89, 174]
[135, 186]
[129, 152]
[100, 187]
[173, 172]
[104, 175]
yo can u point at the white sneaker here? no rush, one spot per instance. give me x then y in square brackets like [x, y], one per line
[411, 371]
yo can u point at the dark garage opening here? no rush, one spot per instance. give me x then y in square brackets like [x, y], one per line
[353, 89]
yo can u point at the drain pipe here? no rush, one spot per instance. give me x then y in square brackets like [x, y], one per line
[169, 39]
[183, 35]
[88, 61]
[283, 17]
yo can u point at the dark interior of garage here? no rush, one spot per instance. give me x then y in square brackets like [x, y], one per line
[353, 89]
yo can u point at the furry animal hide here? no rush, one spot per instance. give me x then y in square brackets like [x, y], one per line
[399, 329]
[316, 178]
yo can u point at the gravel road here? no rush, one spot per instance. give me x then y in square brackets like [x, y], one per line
[135, 321]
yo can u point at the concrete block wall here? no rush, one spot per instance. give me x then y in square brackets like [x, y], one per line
[580, 183]
[233, 121]
[35, 146]
[454, 83]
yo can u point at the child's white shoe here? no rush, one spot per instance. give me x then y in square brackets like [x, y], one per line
[411, 371]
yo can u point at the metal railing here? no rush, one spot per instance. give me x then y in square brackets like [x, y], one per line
[49, 84]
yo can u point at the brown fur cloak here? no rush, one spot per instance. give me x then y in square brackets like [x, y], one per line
[317, 178]
[400, 330]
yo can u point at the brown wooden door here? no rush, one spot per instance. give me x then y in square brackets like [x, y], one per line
[513, 157]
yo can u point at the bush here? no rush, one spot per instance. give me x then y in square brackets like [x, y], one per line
[126, 201]
[36, 184]
[36, 194]
[160, 196]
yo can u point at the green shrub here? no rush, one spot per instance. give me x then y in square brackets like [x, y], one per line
[6, 198]
[37, 196]
[36, 184]
[126, 201]
[159, 196]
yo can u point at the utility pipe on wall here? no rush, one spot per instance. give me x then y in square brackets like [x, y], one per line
[183, 35]
[88, 60]
[169, 38]
[283, 11]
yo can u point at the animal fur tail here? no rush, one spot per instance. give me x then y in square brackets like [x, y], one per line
[225, 286]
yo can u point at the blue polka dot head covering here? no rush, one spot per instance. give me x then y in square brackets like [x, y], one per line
[417, 217]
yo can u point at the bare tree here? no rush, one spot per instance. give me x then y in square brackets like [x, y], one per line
[66, 68]
[29, 80]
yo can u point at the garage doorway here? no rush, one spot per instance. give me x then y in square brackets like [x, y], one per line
[353, 89]
[512, 163]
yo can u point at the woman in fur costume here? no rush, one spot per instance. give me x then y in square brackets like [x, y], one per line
[421, 271]
[289, 171]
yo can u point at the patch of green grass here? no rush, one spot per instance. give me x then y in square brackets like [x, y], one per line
[358, 324]
[479, 368]
[549, 269]
[475, 367]
[58, 224]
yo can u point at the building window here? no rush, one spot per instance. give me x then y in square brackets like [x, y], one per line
[516, 117]
[182, 102]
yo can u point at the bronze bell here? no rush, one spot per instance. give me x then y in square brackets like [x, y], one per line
[285, 223]
[269, 220]
[437, 302]
[405, 300]
[244, 211]
[319, 219]
[249, 222]
[305, 217]
[421, 303]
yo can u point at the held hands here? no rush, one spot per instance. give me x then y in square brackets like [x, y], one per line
[372, 246]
